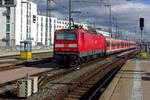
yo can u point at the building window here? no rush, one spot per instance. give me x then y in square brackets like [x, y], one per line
[41, 37]
[29, 21]
[49, 20]
[8, 19]
[37, 32]
[7, 27]
[21, 28]
[21, 12]
[54, 27]
[29, 14]
[21, 19]
[8, 36]
[30, 6]
[21, 36]
[29, 29]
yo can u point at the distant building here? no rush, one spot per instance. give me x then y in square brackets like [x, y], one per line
[16, 24]
[22, 22]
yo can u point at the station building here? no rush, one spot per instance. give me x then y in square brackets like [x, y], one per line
[22, 22]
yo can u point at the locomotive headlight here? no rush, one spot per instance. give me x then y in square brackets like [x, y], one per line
[72, 45]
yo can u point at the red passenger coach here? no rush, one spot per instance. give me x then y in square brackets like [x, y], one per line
[77, 45]
[116, 45]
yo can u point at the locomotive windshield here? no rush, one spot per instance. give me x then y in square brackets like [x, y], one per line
[66, 35]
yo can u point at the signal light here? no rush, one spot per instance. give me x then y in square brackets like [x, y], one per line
[141, 23]
[34, 19]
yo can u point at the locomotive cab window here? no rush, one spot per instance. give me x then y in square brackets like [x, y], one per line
[66, 35]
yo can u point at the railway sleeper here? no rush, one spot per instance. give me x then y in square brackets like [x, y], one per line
[84, 89]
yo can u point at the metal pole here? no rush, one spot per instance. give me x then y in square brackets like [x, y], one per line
[14, 26]
[70, 14]
[50, 23]
[110, 24]
[141, 35]
[46, 22]
[116, 32]
[27, 23]
[48, 15]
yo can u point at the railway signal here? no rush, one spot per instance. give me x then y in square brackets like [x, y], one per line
[141, 23]
[34, 19]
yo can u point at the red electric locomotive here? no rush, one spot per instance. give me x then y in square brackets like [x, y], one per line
[77, 45]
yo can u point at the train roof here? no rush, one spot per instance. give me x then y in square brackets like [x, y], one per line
[113, 39]
[81, 29]
[102, 33]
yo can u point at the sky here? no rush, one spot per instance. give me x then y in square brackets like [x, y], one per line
[125, 14]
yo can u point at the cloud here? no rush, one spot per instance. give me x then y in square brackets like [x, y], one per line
[126, 14]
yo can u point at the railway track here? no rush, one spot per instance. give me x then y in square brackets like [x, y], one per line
[80, 90]
[42, 59]
[37, 59]
[62, 82]
[9, 87]
[49, 75]
[24, 64]
[63, 85]
[17, 56]
[94, 81]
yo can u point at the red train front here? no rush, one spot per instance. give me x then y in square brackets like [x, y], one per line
[73, 46]
[65, 46]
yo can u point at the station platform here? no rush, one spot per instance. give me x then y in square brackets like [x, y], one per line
[132, 82]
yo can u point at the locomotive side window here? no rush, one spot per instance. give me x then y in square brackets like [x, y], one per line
[66, 35]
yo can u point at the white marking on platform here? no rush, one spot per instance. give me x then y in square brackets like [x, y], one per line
[137, 91]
